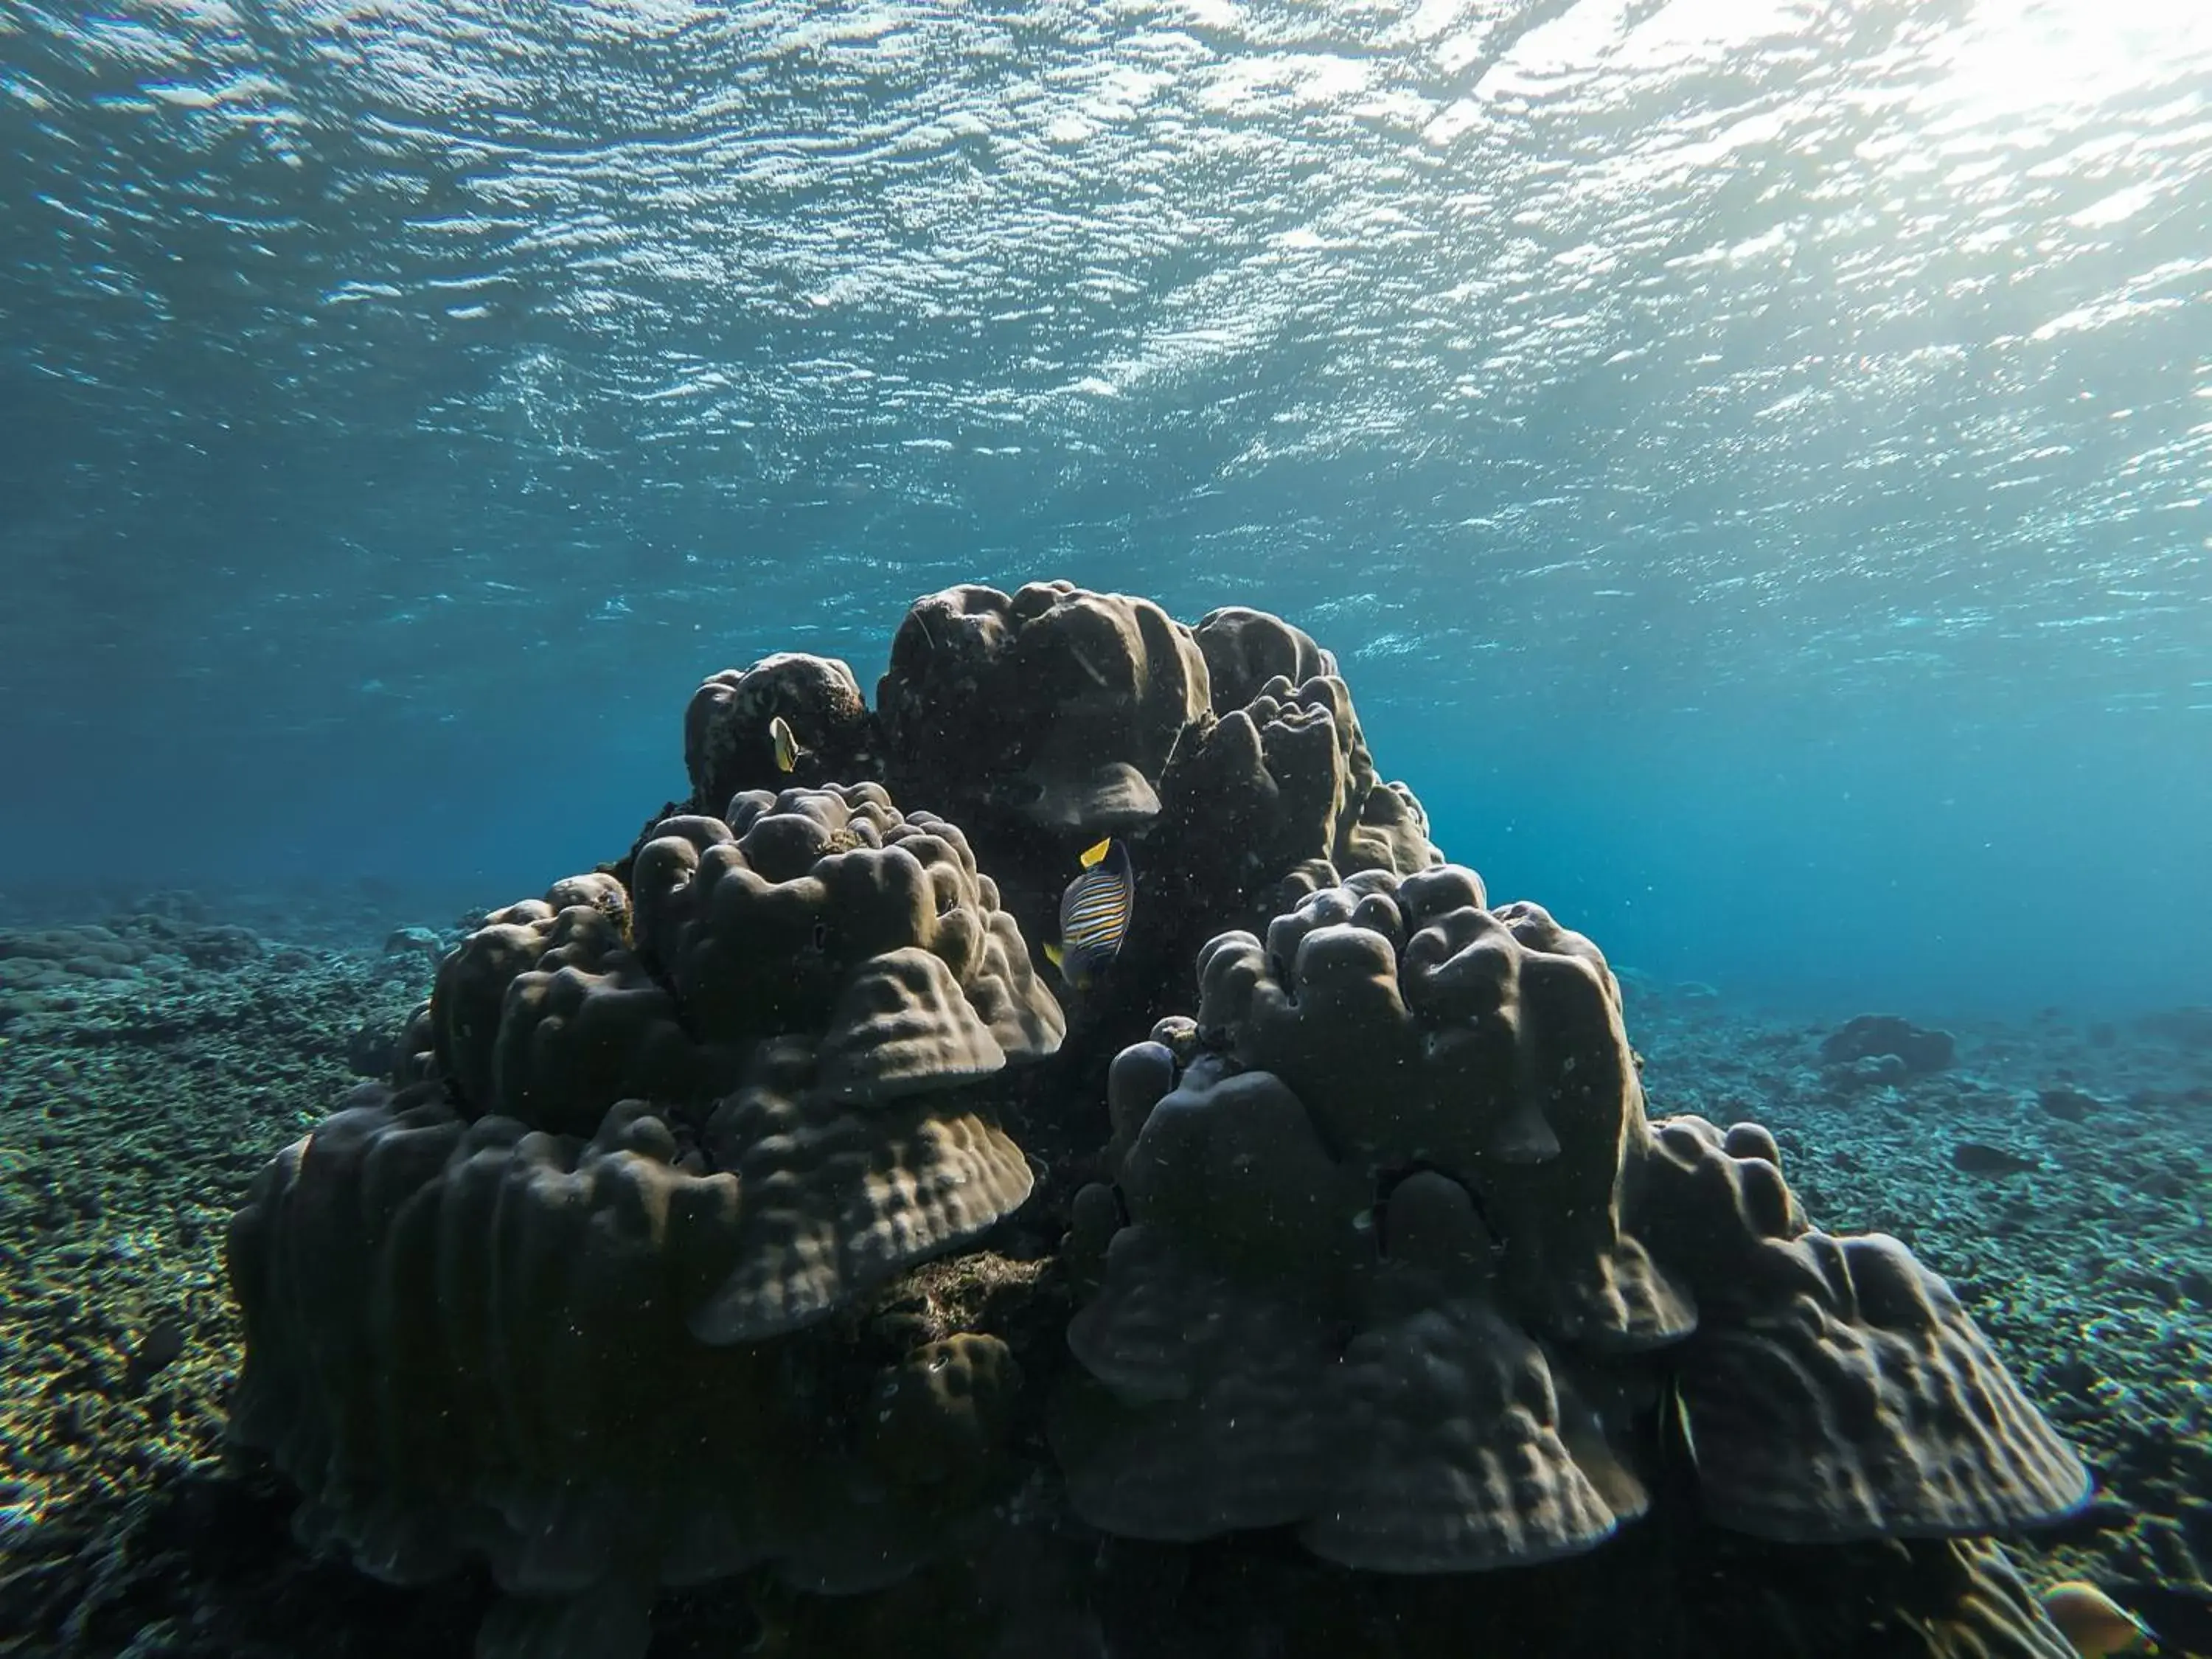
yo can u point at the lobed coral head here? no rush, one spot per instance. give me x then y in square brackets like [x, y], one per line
[1395, 1256]
[827, 910]
[727, 743]
[1054, 707]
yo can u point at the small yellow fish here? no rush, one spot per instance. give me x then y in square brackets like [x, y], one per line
[787, 750]
[1094, 914]
[2095, 1624]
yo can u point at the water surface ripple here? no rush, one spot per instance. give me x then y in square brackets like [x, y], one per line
[1563, 364]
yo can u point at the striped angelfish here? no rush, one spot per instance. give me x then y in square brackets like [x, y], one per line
[1094, 914]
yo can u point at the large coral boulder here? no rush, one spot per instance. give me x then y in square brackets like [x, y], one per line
[1394, 1256]
[1053, 707]
[729, 745]
[557, 1301]
[813, 909]
[678, 1242]
[829, 908]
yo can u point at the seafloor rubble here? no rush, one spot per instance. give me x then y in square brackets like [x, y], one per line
[749, 1245]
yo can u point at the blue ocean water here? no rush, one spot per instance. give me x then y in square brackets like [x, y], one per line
[1750, 455]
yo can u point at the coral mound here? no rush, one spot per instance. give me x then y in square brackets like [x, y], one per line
[661, 1252]
[825, 908]
[816, 910]
[1281, 781]
[1886, 1036]
[1404, 1265]
[1054, 706]
[514, 1310]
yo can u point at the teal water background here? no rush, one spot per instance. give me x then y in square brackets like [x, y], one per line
[1750, 456]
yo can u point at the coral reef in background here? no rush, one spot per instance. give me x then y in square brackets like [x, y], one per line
[680, 1240]
[1898, 1047]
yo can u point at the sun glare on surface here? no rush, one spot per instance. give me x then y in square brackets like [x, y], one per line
[2003, 58]
[2009, 60]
